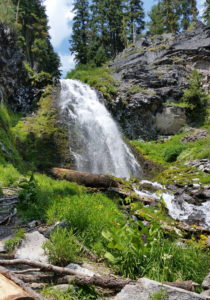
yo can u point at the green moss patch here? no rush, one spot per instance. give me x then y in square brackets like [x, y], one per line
[40, 138]
[98, 78]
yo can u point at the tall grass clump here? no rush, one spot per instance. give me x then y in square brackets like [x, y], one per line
[9, 176]
[62, 248]
[87, 214]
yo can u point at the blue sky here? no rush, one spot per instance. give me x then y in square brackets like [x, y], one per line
[60, 17]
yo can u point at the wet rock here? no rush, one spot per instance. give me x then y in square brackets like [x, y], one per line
[31, 247]
[145, 289]
[195, 135]
[202, 165]
[170, 120]
[206, 282]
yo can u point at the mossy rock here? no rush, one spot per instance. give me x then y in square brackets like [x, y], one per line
[42, 138]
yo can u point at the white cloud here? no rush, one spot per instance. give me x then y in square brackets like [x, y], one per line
[67, 62]
[60, 14]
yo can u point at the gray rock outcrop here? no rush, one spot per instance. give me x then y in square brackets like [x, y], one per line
[153, 74]
[14, 80]
[147, 289]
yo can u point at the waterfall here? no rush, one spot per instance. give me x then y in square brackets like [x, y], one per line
[95, 139]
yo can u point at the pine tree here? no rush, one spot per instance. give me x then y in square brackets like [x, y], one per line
[7, 12]
[194, 11]
[114, 25]
[135, 18]
[206, 15]
[155, 25]
[184, 12]
[33, 36]
[80, 37]
[170, 20]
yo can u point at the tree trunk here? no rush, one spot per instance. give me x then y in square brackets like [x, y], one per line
[84, 178]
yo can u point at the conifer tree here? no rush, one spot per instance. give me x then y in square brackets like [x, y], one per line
[194, 11]
[156, 14]
[135, 18]
[184, 11]
[170, 20]
[206, 15]
[34, 39]
[80, 37]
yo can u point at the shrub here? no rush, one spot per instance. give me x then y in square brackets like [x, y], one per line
[196, 99]
[62, 248]
[11, 244]
[172, 152]
[28, 194]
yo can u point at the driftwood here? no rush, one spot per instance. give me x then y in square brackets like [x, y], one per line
[13, 288]
[107, 282]
[84, 178]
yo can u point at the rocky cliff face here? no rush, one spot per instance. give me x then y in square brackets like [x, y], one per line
[153, 74]
[14, 85]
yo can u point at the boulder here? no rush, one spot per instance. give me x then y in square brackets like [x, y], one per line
[206, 282]
[31, 248]
[146, 289]
[170, 120]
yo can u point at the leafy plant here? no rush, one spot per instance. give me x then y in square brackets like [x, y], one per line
[11, 244]
[28, 194]
[148, 253]
[62, 248]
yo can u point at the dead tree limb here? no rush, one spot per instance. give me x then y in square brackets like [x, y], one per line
[29, 293]
[105, 281]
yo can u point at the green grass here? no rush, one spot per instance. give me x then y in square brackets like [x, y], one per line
[8, 151]
[174, 150]
[99, 78]
[73, 293]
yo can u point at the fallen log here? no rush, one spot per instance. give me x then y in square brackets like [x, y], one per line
[107, 282]
[84, 178]
[13, 288]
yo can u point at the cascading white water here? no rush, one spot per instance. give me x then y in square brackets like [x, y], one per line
[96, 141]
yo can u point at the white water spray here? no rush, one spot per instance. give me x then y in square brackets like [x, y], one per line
[96, 142]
